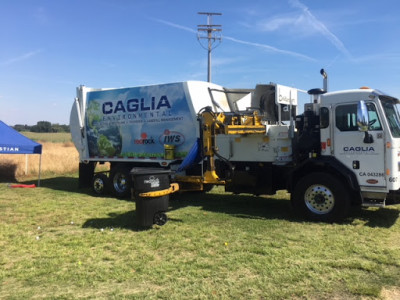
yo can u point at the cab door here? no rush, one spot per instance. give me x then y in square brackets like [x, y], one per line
[366, 157]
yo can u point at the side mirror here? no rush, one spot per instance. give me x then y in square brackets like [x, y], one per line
[362, 116]
[363, 121]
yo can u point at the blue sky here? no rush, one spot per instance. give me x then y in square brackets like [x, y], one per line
[48, 47]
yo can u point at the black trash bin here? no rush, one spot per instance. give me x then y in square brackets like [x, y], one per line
[149, 209]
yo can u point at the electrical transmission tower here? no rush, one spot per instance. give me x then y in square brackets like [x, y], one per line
[212, 33]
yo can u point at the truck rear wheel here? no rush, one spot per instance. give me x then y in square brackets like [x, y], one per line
[121, 181]
[321, 197]
[100, 184]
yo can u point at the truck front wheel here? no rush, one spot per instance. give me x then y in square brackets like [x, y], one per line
[321, 197]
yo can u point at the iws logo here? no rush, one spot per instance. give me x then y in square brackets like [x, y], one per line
[172, 138]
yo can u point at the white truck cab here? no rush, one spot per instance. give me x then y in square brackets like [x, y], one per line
[352, 140]
[373, 155]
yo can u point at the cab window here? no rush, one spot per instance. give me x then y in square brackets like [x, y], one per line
[346, 117]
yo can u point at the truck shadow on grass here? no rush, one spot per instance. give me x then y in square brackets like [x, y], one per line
[246, 207]
[272, 207]
[126, 220]
[239, 206]
[64, 184]
[61, 183]
[384, 217]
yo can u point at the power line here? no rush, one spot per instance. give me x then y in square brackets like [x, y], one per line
[212, 33]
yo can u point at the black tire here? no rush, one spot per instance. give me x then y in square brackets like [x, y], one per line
[160, 219]
[100, 184]
[120, 181]
[321, 197]
[207, 188]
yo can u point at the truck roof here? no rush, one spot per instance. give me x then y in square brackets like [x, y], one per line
[354, 95]
[91, 89]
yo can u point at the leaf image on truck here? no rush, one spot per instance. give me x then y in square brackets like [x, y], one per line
[102, 140]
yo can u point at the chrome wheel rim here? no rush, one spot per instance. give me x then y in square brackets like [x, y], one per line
[119, 183]
[98, 185]
[319, 199]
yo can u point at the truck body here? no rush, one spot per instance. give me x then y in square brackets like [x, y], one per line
[343, 150]
[134, 124]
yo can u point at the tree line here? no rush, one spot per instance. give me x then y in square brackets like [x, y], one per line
[42, 126]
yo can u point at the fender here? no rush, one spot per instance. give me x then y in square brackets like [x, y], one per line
[327, 164]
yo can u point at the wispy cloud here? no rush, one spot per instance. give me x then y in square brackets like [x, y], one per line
[320, 27]
[392, 58]
[281, 22]
[232, 39]
[302, 23]
[188, 29]
[269, 48]
[22, 57]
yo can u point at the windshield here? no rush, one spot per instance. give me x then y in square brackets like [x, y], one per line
[392, 114]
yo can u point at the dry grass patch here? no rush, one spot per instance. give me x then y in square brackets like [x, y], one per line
[57, 158]
[390, 293]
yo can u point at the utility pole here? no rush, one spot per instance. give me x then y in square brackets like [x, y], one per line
[212, 33]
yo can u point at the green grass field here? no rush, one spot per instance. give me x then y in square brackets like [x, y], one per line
[55, 137]
[59, 242]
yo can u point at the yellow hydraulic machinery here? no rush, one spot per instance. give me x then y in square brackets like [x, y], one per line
[211, 125]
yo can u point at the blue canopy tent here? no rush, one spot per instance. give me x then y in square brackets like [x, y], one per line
[12, 142]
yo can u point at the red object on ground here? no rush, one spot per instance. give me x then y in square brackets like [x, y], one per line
[22, 185]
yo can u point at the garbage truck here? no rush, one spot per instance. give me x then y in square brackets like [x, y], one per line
[343, 150]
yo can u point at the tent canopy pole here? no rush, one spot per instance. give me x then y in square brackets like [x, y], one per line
[40, 168]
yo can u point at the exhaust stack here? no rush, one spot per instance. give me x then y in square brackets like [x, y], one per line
[325, 76]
